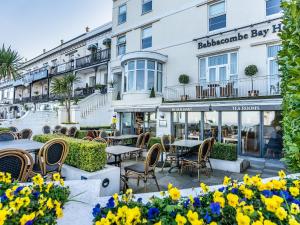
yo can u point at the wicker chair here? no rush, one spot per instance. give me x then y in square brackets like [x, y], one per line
[63, 130]
[25, 134]
[91, 135]
[13, 129]
[212, 143]
[51, 157]
[170, 151]
[145, 170]
[57, 129]
[103, 134]
[87, 138]
[100, 140]
[7, 136]
[72, 131]
[146, 139]
[138, 144]
[16, 162]
[46, 129]
[198, 160]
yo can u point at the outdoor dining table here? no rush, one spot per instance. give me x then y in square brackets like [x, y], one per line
[118, 150]
[183, 146]
[122, 138]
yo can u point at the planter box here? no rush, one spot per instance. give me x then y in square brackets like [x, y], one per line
[238, 166]
[109, 176]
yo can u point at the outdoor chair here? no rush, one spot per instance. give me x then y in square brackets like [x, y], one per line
[103, 134]
[138, 144]
[13, 129]
[91, 135]
[87, 138]
[146, 170]
[63, 130]
[117, 133]
[146, 140]
[51, 157]
[16, 162]
[199, 160]
[72, 131]
[100, 140]
[57, 129]
[25, 134]
[46, 129]
[7, 136]
[170, 151]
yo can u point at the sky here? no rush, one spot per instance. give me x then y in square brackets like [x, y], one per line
[29, 26]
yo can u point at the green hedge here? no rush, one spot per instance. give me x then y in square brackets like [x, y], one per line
[85, 155]
[80, 134]
[153, 141]
[3, 129]
[224, 152]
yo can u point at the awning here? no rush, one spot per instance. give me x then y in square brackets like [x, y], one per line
[136, 109]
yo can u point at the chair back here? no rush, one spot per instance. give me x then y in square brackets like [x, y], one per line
[87, 138]
[100, 140]
[57, 128]
[52, 155]
[91, 134]
[46, 129]
[25, 134]
[146, 139]
[17, 162]
[63, 130]
[165, 142]
[139, 141]
[103, 134]
[72, 131]
[13, 129]
[117, 133]
[7, 136]
[204, 150]
[152, 157]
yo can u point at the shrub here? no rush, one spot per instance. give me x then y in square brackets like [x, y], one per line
[85, 155]
[80, 134]
[153, 141]
[289, 60]
[184, 79]
[3, 129]
[224, 152]
[251, 70]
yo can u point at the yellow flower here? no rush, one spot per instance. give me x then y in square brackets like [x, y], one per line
[170, 186]
[192, 216]
[9, 194]
[59, 212]
[62, 182]
[158, 223]
[257, 223]
[248, 193]
[293, 221]
[248, 209]
[295, 209]
[297, 183]
[271, 205]
[38, 180]
[26, 218]
[247, 180]
[180, 220]
[111, 217]
[220, 200]
[204, 187]
[242, 219]
[232, 199]
[226, 181]
[294, 191]
[174, 194]
[25, 191]
[50, 204]
[281, 213]
[277, 184]
[103, 221]
[281, 174]
[56, 177]
[49, 186]
[213, 223]
[268, 222]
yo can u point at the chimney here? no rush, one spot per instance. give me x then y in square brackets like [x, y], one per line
[61, 41]
[44, 50]
[87, 29]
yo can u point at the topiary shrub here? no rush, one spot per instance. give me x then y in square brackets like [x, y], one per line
[250, 71]
[184, 80]
[289, 60]
[153, 141]
[224, 152]
[85, 155]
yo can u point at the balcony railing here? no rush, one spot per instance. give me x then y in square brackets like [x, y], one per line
[239, 88]
[6, 83]
[62, 68]
[93, 59]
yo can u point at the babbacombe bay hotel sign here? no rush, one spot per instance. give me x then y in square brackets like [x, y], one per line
[253, 33]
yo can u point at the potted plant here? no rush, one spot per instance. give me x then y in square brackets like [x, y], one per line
[107, 42]
[119, 96]
[184, 80]
[152, 93]
[251, 71]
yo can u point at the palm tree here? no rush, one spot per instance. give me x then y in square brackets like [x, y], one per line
[9, 62]
[63, 87]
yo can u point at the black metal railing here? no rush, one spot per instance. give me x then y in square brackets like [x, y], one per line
[98, 57]
[62, 68]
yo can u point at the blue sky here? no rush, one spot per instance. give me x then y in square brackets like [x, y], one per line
[30, 26]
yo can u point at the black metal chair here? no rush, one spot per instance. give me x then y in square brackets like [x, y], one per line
[13, 129]
[16, 162]
[72, 131]
[51, 157]
[145, 170]
[25, 134]
[46, 129]
[63, 130]
[7, 136]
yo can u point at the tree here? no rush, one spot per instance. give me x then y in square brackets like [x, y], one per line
[9, 62]
[184, 80]
[63, 87]
[289, 60]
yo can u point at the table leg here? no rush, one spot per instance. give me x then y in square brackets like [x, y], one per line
[177, 160]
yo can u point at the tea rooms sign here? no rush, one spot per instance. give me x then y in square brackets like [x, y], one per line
[253, 33]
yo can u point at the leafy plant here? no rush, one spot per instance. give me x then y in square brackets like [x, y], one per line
[63, 87]
[289, 60]
[250, 71]
[184, 80]
[224, 152]
[75, 101]
[10, 60]
[85, 155]
[152, 93]
[153, 141]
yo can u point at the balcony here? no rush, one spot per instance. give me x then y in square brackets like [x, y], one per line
[240, 88]
[62, 68]
[98, 57]
[29, 77]
[40, 98]
[6, 83]
[22, 100]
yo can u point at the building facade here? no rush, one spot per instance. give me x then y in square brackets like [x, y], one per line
[212, 42]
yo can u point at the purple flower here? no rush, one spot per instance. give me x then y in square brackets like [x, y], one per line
[18, 190]
[215, 208]
[197, 202]
[153, 213]
[234, 190]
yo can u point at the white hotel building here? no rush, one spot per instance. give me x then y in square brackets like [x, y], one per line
[153, 42]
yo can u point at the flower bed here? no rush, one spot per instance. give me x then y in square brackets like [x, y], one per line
[251, 202]
[39, 203]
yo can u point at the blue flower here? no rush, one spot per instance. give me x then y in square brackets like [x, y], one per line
[173, 214]
[18, 190]
[186, 203]
[111, 203]
[30, 222]
[140, 200]
[207, 218]
[296, 201]
[221, 189]
[3, 198]
[36, 194]
[153, 213]
[285, 195]
[267, 193]
[197, 202]
[215, 208]
[97, 210]
[234, 191]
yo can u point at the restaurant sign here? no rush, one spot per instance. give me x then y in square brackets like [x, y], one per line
[241, 36]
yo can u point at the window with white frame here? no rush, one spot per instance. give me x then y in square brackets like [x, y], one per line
[273, 69]
[217, 15]
[147, 37]
[143, 75]
[218, 69]
[121, 45]
[122, 16]
[272, 7]
[146, 6]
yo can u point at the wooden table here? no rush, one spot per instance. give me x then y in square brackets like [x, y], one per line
[183, 146]
[118, 150]
[122, 138]
[23, 144]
